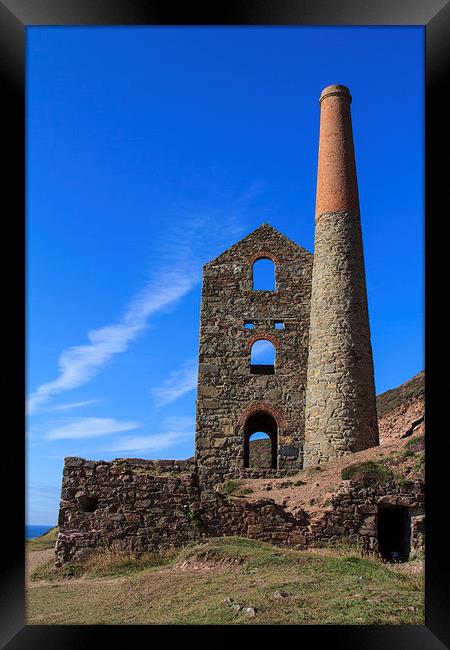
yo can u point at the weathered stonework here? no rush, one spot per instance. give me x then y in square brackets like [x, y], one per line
[228, 394]
[355, 510]
[127, 504]
[137, 505]
[341, 413]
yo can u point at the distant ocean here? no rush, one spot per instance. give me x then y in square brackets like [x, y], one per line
[32, 531]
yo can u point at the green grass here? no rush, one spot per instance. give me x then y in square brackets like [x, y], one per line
[415, 445]
[330, 588]
[392, 399]
[234, 488]
[368, 472]
[45, 541]
[420, 462]
[104, 564]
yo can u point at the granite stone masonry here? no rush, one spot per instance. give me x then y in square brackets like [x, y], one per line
[341, 415]
[128, 505]
[135, 506]
[232, 401]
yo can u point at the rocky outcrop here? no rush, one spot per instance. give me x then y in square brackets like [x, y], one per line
[401, 411]
[260, 453]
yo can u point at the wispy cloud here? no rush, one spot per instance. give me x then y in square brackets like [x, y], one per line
[197, 237]
[80, 363]
[44, 491]
[254, 190]
[179, 382]
[89, 428]
[74, 405]
[178, 429]
[151, 443]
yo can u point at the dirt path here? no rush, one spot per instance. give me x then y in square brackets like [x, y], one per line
[34, 559]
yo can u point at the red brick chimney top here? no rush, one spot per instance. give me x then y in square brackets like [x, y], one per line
[337, 188]
[335, 89]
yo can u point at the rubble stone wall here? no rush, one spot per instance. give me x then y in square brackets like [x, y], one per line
[130, 504]
[341, 415]
[353, 513]
[140, 505]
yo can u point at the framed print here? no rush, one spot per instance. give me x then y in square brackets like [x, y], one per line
[219, 225]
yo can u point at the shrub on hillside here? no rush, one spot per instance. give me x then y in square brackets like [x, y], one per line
[234, 488]
[367, 472]
[415, 444]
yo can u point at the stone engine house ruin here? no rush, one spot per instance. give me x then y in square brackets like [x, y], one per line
[315, 398]
[237, 396]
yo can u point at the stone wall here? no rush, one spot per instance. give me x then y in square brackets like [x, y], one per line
[353, 513]
[139, 505]
[228, 394]
[130, 504]
[351, 516]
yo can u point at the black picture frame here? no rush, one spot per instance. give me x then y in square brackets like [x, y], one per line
[15, 17]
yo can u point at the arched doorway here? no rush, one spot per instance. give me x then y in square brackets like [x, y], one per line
[261, 422]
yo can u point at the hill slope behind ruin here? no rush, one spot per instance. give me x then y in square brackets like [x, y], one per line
[401, 411]
[401, 450]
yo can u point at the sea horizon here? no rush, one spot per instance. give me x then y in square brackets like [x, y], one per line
[36, 530]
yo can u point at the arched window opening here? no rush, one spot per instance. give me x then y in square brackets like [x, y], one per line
[260, 441]
[262, 358]
[264, 275]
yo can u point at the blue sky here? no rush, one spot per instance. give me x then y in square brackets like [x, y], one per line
[152, 149]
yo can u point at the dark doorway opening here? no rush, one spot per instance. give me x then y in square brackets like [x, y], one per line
[394, 533]
[261, 423]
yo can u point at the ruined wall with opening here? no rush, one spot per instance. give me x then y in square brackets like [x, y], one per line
[233, 317]
[133, 505]
[353, 514]
[125, 505]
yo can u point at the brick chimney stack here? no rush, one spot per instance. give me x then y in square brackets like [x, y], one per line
[340, 413]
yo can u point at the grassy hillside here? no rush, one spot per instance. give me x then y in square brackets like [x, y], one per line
[260, 453]
[391, 399]
[47, 540]
[229, 581]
